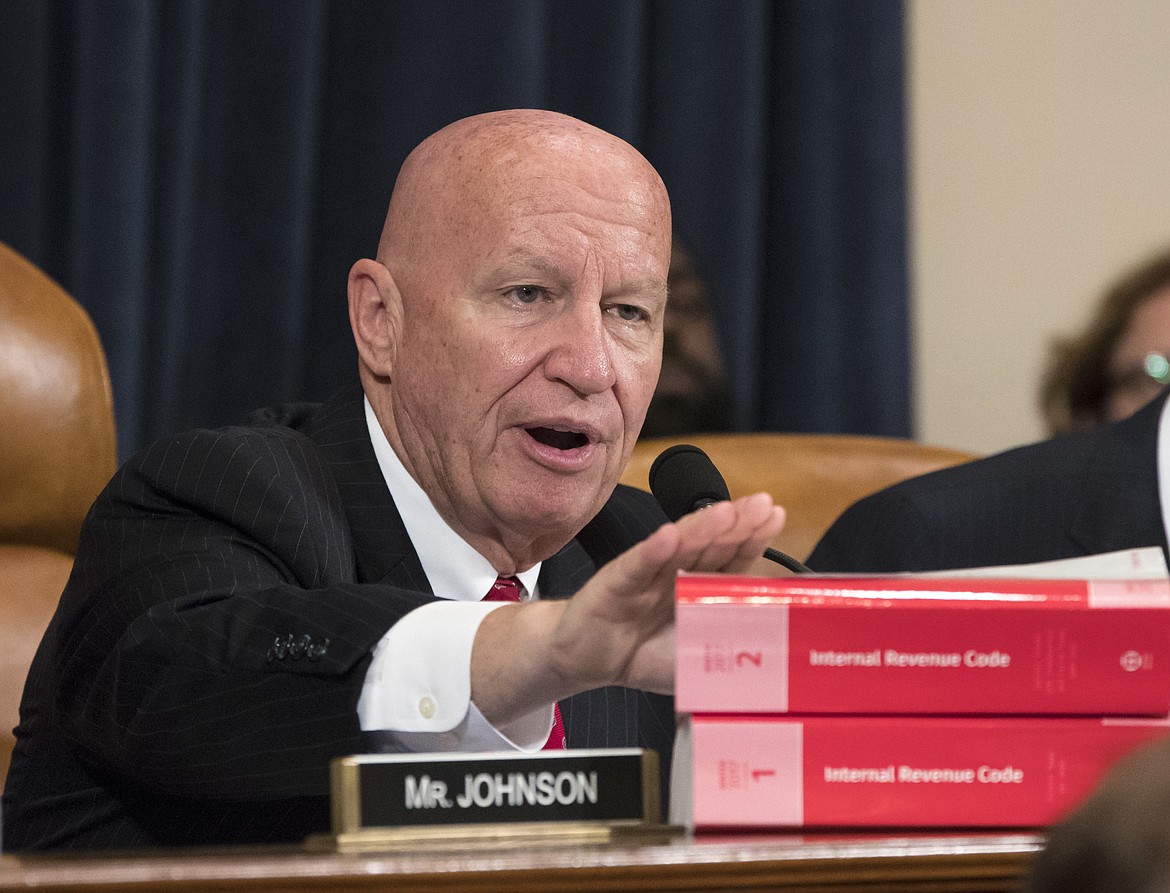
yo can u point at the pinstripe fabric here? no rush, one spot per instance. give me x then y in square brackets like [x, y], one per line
[1078, 495]
[205, 661]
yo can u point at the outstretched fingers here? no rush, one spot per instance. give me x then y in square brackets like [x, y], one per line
[618, 628]
[730, 541]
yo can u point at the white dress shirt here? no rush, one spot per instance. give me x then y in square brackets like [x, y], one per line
[417, 693]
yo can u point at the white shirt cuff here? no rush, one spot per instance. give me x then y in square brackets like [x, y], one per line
[417, 692]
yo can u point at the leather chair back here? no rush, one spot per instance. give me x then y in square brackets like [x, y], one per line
[814, 476]
[57, 450]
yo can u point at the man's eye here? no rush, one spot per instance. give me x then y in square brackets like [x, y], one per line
[629, 312]
[527, 294]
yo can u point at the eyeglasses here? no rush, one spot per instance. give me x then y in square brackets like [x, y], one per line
[1151, 374]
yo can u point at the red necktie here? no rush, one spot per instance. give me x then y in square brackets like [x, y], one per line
[507, 589]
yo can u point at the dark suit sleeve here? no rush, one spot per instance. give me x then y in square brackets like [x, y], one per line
[1059, 498]
[212, 641]
[883, 533]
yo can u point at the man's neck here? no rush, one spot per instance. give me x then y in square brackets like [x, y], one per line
[454, 567]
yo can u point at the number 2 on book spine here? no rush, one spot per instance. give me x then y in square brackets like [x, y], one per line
[755, 658]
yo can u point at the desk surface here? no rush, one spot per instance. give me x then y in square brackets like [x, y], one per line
[913, 862]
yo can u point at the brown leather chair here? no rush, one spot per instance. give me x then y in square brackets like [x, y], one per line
[814, 476]
[57, 451]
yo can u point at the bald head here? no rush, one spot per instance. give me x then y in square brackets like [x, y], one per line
[472, 167]
[510, 331]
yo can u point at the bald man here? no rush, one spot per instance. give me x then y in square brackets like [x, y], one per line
[249, 603]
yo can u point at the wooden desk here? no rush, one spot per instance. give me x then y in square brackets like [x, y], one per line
[922, 862]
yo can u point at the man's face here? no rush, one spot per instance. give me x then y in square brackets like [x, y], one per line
[528, 352]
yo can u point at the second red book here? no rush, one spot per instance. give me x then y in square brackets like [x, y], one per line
[922, 646]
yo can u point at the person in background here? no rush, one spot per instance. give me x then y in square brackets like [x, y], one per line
[1118, 839]
[437, 558]
[693, 395]
[1120, 361]
[1096, 491]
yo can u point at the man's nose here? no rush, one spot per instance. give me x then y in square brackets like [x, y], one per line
[581, 356]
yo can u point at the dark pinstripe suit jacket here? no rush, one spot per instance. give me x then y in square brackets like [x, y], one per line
[205, 661]
[1062, 498]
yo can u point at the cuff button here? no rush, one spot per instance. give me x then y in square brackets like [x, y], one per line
[426, 707]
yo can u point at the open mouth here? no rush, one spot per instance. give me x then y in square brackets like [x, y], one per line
[561, 440]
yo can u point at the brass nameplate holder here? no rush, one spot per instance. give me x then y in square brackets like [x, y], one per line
[456, 801]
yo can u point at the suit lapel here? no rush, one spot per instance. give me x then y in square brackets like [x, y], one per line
[1121, 508]
[382, 549]
[566, 572]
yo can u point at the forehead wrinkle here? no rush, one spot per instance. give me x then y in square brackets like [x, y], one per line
[521, 263]
[521, 259]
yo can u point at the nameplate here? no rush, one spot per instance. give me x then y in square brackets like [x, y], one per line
[551, 794]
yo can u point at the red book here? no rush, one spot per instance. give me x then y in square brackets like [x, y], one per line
[839, 771]
[897, 645]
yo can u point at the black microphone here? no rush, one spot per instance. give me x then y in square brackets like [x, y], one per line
[684, 479]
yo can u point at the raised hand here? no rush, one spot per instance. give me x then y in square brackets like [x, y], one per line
[619, 628]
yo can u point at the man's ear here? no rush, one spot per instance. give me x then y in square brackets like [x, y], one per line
[375, 315]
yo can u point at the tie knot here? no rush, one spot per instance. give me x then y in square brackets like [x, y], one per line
[505, 589]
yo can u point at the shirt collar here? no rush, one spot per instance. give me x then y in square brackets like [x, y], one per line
[455, 570]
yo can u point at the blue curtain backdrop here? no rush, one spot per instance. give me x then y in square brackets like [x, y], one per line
[200, 174]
